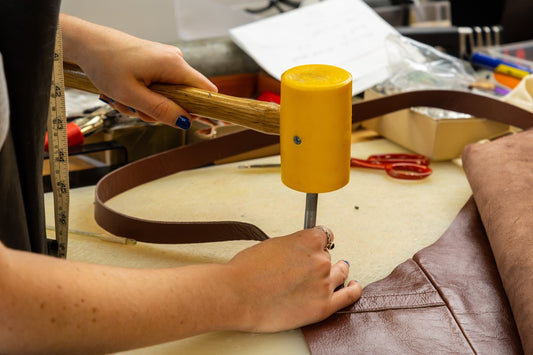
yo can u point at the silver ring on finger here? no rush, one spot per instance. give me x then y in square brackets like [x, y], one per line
[329, 243]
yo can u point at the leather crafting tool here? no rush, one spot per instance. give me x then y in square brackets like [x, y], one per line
[315, 127]
[257, 115]
[84, 126]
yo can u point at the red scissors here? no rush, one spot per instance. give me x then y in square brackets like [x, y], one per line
[398, 165]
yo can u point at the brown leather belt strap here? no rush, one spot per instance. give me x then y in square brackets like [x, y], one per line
[459, 101]
[166, 163]
[203, 153]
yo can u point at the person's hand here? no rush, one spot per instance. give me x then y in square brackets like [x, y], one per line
[123, 66]
[279, 284]
[288, 282]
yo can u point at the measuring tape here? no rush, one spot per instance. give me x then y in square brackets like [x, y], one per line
[58, 149]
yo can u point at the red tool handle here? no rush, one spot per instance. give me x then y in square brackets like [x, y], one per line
[74, 136]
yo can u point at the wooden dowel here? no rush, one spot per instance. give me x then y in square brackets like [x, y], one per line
[257, 115]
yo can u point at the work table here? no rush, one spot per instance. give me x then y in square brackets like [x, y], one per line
[378, 223]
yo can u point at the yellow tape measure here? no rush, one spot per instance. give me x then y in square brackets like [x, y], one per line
[58, 149]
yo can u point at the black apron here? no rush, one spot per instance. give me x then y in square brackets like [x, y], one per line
[27, 38]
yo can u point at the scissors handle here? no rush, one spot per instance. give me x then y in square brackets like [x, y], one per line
[408, 171]
[400, 158]
[371, 164]
[399, 169]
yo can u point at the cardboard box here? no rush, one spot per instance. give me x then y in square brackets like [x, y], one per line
[438, 139]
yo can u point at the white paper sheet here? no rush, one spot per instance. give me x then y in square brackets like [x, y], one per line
[345, 33]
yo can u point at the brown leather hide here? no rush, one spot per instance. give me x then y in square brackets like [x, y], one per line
[501, 177]
[447, 299]
[450, 298]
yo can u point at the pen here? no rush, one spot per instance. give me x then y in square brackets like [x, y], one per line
[486, 61]
[488, 85]
[511, 71]
[506, 80]
[500, 91]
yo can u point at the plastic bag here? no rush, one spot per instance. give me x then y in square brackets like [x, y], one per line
[417, 66]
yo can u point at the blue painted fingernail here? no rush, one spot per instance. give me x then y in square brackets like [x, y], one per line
[104, 100]
[132, 109]
[183, 123]
[347, 263]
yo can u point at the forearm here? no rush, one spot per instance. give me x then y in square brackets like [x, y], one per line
[55, 306]
[122, 67]
[51, 305]
[81, 38]
[76, 31]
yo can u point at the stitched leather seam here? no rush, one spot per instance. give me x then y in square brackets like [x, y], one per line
[406, 300]
[401, 294]
[391, 308]
[445, 301]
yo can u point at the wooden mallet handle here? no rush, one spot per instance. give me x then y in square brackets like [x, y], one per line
[257, 115]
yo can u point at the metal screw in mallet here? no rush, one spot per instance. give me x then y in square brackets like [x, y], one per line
[311, 201]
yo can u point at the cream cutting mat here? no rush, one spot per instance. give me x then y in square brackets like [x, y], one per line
[378, 222]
